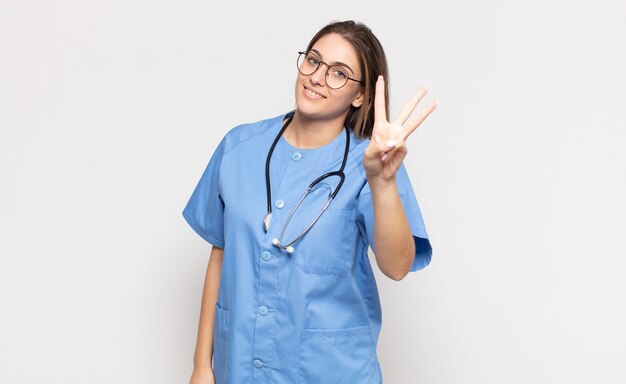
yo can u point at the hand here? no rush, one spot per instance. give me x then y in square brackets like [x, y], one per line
[202, 376]
[387, 148]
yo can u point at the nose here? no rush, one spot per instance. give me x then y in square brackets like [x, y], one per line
[319, 76]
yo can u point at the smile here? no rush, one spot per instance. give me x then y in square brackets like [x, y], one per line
[312, 94]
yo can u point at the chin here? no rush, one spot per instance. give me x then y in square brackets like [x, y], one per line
[313, 112]
[308, 109]
[316, 109]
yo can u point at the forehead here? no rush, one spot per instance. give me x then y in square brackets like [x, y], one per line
[335, 48]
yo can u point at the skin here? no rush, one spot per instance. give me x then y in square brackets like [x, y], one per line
[393, 242]
[202, 369]
[318, 119]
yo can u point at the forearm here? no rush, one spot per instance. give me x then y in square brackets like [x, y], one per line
[204, 343]
[394, 247]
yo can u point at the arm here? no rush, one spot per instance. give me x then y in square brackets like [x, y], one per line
[394, 246]
[204, 345]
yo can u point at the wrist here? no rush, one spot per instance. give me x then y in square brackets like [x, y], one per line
[382, 184]
[202, 366]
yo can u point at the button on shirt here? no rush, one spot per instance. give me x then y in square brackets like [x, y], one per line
[312, 316]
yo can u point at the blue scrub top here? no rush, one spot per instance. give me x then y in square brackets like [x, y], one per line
[313, 316]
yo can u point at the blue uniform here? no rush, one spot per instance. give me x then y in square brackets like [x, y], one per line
[312, 316]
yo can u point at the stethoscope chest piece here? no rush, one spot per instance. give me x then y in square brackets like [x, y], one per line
[267, 220]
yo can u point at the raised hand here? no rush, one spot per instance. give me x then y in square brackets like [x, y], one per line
[387, 147]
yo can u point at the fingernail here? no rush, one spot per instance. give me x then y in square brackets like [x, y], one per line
[392, 143]
[384, 157]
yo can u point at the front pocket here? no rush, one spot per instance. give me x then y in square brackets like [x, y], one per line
[220, 344]
[337, 356]
[328, 247]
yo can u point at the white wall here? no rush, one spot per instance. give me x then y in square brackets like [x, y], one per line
[109, 111]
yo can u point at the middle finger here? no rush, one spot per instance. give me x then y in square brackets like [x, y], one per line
[410, 106]
[421, 116]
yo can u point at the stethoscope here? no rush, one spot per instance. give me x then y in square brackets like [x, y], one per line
[268, 216]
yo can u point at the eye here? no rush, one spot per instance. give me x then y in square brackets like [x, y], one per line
[312, 59]
[339, 73]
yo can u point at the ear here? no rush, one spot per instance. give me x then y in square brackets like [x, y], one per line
[358, 99]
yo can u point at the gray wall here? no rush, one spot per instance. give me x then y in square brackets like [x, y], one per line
[109, 111]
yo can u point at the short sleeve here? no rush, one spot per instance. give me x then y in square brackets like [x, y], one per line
[204, 211]
[365, 219]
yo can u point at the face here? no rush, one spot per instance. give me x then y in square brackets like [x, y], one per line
[314, 99]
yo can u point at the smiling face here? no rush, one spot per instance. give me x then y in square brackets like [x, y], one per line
[314, 99]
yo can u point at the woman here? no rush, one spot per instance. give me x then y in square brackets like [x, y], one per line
[290, 296]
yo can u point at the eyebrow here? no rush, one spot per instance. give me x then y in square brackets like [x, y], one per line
[334, 62]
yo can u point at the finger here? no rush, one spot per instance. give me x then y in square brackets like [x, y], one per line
[383, 149]
[376, 147]
[394, 145]
[380, 112]
[421, 116]
[410, 106]
[379, 148]
[398, 151]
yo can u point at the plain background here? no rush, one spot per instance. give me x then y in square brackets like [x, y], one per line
[110, 110]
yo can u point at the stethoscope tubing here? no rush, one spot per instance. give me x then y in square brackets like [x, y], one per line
[268, 215]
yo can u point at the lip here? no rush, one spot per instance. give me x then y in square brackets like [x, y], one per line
[316, 95]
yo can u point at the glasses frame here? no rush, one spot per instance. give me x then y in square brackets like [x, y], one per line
[328, 66]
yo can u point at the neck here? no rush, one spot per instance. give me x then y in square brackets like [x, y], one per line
[306, 133]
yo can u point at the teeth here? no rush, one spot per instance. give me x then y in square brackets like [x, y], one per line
[313, 93]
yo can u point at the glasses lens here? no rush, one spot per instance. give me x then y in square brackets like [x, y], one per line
[308, 63]
[336, 77]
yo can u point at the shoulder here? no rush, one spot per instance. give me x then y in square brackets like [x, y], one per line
[248, 131]
[358, 145]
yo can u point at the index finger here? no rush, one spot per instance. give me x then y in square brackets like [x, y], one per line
[380, 111]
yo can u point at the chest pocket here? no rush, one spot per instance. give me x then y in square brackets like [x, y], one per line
[328, 247]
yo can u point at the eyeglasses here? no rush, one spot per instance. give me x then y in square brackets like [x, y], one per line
[336, 75]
